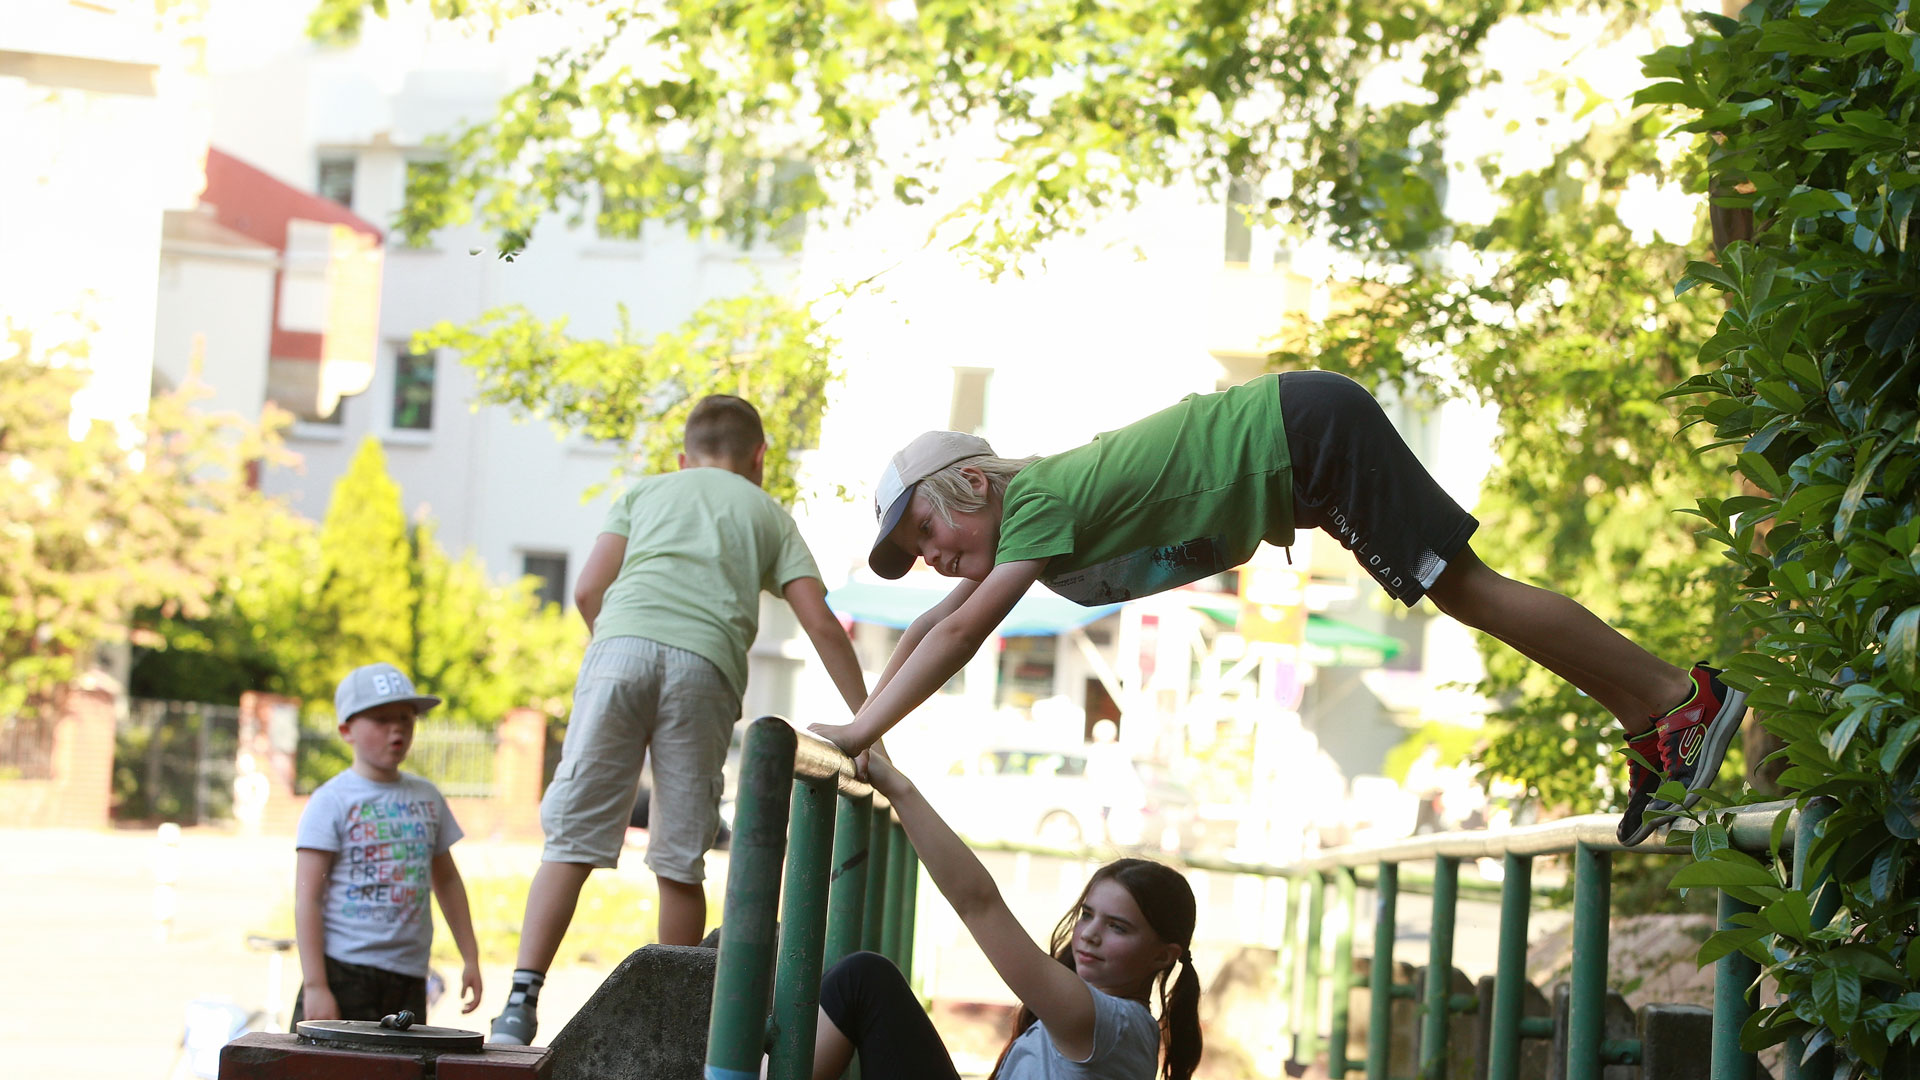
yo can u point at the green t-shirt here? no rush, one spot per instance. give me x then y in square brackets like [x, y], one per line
[1184, 494]
[701, 544]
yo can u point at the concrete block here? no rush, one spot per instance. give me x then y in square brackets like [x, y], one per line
[648, 1020]
[1534, 1053]
[1676, 1042]
[1617, 1022]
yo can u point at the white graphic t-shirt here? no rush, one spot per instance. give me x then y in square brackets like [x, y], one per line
[384, 838]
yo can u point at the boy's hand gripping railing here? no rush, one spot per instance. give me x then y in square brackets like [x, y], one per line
[1591, 840]
[850, 885]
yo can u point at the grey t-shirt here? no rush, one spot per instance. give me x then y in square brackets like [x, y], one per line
[384, 838]
[1126, 1046]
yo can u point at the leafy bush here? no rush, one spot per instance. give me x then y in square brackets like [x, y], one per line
[1810, 107]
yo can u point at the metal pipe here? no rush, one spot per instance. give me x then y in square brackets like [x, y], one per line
[879, 840]
[1825, 900]
[1733, 978]
[803, 926]
[1337, 1033]
[897, 859]
[743, 976]
[1290, 962]
[1309, 1045]
[1587, 997]
[909, 910]
[1380, 974]
[846, 905]
[1433, 1033]
[1509, 980]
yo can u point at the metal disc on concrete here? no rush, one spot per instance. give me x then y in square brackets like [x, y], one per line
[369, 1035]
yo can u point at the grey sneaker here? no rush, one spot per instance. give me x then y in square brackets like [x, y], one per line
[515, 1025]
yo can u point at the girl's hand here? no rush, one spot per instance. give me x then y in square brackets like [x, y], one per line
[880, 772]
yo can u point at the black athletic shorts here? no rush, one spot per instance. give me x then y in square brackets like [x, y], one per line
[1355, 479]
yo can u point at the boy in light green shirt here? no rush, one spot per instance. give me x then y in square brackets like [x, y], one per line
[671, 592]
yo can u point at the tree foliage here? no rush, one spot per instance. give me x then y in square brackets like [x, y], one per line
[304, 605]
[1813, 110]
[685, 113]
[760, 347]
[100, 526]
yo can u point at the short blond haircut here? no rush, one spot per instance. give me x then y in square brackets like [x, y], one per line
[948, 491]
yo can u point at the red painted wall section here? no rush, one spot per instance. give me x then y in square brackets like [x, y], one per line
[258, 206]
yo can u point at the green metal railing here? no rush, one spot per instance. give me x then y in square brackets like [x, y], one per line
[850, 884]
[1591, 841]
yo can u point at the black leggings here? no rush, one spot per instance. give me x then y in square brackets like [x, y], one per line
[868, 999]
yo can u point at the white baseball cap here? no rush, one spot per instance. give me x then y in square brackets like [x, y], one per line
[375, 685]
[927, 454]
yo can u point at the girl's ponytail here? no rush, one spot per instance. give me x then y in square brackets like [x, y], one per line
[1180, 1020]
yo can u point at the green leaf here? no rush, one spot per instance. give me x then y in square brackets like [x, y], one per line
[1902, 649]
[1718, 872]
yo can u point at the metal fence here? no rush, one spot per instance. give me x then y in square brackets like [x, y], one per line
[850, 884]
[26, 748]
[458, 756]
[174, 761]
[850, 881]
[1581, 1033]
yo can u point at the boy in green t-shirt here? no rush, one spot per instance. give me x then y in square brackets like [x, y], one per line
[1189, 492]
[671, 592]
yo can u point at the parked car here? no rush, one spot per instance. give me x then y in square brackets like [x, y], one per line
[1066, 799]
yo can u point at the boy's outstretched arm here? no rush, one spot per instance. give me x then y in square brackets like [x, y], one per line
[310, 933]
[597, 573]
[807, 596]
[450, 889]
[937, 657]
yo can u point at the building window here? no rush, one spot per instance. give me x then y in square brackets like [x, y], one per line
[969, 411]
[336, 180]
[413, 391]
[551, 570]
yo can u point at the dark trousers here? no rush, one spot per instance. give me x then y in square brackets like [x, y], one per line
[369, 993]
[868, 999]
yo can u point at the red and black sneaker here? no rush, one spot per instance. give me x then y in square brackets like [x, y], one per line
[1641, 784]
[1694, 737]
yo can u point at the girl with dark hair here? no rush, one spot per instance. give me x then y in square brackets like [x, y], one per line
[1086, 1002]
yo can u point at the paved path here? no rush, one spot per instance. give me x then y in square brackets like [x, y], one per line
[93, 992]
[97, 994]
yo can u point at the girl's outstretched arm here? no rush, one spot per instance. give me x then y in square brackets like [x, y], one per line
[1055, 993]
[936, 656]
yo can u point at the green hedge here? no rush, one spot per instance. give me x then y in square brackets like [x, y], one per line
[1809, 112]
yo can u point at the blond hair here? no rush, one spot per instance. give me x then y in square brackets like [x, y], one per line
[948, 491]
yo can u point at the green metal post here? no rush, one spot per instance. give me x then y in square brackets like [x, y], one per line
[846, 906]
[897, 868]
[743, 979]
[1380, 976]
[1433, 1034]
[803, 927]
[1307, 1049]
[909, 910]
[1516, 905]
[1806, 829]
[1733, 978]
[1290, 959]
[1342, 974]
[879, 839]
[1587, 994]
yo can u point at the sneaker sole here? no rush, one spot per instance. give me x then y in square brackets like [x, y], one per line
[1720, 732]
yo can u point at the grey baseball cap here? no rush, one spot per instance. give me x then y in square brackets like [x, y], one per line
[927, 454]
[375, 685]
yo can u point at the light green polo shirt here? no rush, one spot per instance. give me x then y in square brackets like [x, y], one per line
[701, 545]
[1184, 494]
